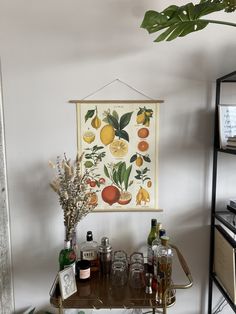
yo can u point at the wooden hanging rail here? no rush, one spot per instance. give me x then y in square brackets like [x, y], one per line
[158, 101]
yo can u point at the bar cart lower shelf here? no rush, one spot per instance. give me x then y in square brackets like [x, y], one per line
[98, 293]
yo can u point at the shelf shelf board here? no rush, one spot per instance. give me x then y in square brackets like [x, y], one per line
[227, 151]
[227, 219]
[223, 291]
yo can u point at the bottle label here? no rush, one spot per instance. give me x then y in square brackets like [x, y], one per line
[89, 255]
[150, 255]
[84, 273]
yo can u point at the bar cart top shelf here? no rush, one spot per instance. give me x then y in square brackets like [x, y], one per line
[98, 293]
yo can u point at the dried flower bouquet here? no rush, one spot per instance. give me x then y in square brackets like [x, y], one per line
[75, 196]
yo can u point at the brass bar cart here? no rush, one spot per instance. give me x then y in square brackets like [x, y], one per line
[97, 293]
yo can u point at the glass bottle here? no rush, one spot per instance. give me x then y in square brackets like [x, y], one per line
[164, 268]
[151, 236]
[89, 251]
[155, 244]
[67, 256]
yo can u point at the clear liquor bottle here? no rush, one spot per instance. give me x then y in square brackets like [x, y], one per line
[151, 236]
[164, 268]
[67, 256]
[89, 251]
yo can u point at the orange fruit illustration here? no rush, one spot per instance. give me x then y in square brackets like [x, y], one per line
[110, 194]
[92, 198]
[125, 198]
[139, 161]
[143, 132]
[149, 184]
[143, 146]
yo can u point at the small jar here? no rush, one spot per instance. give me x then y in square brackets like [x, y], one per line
[83, 269]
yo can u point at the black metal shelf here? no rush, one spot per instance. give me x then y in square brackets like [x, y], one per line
[223, 291]
[228, 219]
[228, 216]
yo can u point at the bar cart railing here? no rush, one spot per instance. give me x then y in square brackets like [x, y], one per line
[97, 293]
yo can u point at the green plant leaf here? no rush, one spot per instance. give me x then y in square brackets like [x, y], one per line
[125, 119]
[179, 21]
[126, 177]
[88, 164]
[133, 158]
[106, 171]
[89, 114]
[138, 177]
[113, 121]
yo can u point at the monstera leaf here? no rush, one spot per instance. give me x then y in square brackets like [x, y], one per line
[180, 21]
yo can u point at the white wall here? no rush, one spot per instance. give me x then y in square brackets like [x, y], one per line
[53, 51]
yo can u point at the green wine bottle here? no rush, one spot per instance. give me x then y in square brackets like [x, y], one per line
[152, 235]
[67, 256]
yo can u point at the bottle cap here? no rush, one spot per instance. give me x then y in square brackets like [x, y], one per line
[164, 240]
[162, 232]
[89, 236]
[153, 222]
[105, 247]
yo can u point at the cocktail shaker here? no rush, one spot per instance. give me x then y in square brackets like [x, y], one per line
[105, 256]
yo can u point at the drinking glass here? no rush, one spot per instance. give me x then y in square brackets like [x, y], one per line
[136, 257]
[118, 274]
[120, 256]
[136, 276]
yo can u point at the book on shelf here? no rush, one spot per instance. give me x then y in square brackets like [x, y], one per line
[230, 147]
[227, 123]
[231, 143]
[231, 139]
[232, 203]
[224, 261]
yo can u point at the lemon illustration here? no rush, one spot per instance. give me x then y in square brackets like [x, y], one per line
[107, 134]
[118, 148]
[88, 137]
[96, 122]
[140, 118]
[139, 161]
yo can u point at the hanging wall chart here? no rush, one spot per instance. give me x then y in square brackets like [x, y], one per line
[124, 134]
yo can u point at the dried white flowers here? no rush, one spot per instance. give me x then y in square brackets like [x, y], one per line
[75, 196]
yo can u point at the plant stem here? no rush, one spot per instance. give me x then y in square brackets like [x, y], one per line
[219, 22]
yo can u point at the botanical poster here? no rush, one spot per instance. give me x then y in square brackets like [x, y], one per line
[124, 138]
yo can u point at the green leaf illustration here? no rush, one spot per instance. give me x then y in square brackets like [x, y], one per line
[122, 134]
[89, 114]
[145, 170]
[126, 177]
[88, 164]
[119, 171]
[133, 158]
[106, 171]
[115, 178]
[125, 119]
[146, 158]
[138, 177]
[113, 121]
[123, 170]
[115, 115]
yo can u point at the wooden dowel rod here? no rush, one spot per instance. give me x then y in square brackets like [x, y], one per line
[116, 101]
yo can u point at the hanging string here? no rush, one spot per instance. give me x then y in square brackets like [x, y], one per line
[110, 83]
